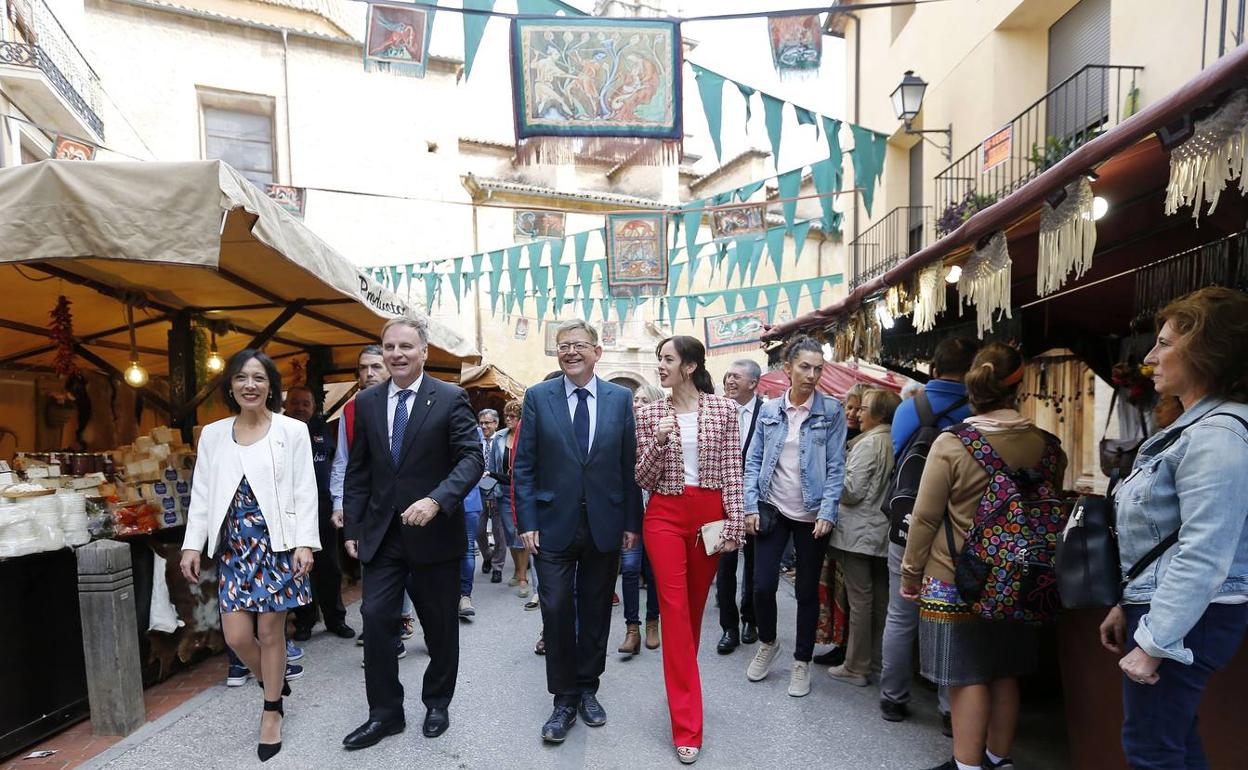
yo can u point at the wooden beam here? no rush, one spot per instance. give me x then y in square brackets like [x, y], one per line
[259, 291]
[90, 339]
[350, 394]
[152, 395]
[259, 341]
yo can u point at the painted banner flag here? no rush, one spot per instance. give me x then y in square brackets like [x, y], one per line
[602, 89]
[292, 199]
[609, 334]
[538, 224]
[397, 39]
[738, 220]
[72, 149]
[637, 254]
[796, 45]
[735, 332]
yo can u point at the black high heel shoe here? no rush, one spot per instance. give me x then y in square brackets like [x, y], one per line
[266, 751]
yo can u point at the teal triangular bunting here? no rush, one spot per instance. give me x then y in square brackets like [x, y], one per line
[672, 306]
[711, 89]
[730, 300]
[694, 263]
[773, 118]
[673, 276]
[749, 297]
[585, 276]
[746, 93]
[693, 220]
[744, 192]
[826, 175]
[691, 307]
[832, 135]
[790, 184]
[556, 250]
[579, 242]
[868, 157]
[561, 273]
[514, 275]
[474, 29]
[793, 290]
[772, 295]
[800, 231]
[815, 288]
[775, 248]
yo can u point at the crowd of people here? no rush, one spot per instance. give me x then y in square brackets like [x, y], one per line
[867, 505]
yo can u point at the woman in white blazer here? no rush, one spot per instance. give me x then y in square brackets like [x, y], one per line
[254, 502]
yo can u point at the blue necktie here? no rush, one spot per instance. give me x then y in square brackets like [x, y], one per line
[580, 422]
[400, 427]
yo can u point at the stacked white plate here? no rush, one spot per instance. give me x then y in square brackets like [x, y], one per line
[74, 518]
[18, 533]
[47, 510]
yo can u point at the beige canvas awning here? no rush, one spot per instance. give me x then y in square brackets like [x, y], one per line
[490, 377]
[177, 241]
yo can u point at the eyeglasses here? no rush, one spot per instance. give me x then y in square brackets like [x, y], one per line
[568, 347]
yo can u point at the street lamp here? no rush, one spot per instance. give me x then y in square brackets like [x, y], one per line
[908, 101]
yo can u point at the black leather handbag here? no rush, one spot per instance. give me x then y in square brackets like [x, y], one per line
[767, 514]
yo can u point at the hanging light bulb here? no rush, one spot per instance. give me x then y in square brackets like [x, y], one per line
[954, 274]
[1100, 207]
[135, 374]
[215, 363]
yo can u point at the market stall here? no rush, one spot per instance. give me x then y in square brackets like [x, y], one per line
[1077, 285]
[490, 387]
[838, 377]
[153, 274]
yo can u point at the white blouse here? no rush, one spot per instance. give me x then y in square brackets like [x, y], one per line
[689, 446]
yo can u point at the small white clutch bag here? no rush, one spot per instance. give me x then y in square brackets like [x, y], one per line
[712, 534]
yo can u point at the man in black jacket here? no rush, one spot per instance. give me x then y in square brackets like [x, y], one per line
[326, 570]
[740, 384]
[415, 456]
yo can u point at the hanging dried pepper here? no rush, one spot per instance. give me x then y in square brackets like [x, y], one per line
[62, 327]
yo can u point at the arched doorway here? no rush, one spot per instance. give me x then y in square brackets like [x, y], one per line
[627, 380]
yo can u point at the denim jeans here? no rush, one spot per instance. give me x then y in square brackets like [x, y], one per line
[1159, 728]
[901, 629]
[467, 573]
[633, 564]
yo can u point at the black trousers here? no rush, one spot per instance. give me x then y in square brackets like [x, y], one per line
[326, 583]
[726, 587]
[810, 553]
[434, 589]
[574, 588]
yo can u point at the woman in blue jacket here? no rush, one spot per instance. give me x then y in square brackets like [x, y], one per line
[1185, 616]
[794, 473]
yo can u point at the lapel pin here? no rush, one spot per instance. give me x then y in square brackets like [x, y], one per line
[429, 402]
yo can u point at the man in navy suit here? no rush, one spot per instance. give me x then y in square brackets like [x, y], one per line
[577, 503]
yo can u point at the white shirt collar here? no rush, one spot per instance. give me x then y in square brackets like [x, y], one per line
[569, 387]
[790, 405]
[414, 387]
[748, 408]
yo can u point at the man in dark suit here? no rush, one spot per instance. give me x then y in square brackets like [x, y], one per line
[740, 384]
[577, 503]
[414, 457]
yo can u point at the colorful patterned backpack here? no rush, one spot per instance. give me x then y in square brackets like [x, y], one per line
[1005, 570]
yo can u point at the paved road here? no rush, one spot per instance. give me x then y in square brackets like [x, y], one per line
[501, 702]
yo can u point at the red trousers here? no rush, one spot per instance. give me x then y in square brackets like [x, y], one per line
[684, 574]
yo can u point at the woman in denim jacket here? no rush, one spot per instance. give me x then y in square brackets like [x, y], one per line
[1185, 616]
[794, 470]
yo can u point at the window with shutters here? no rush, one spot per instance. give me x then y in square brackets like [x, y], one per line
[238, 129]
[1078, 39]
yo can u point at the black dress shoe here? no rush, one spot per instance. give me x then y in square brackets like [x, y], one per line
[436, 721]
[749, 633]
[266, 751]
[592, 711]
[485, 568]
[371, 732]
[497, 577]
[833, 657]
[302, 634]
[556, 728]
[728, 642]
[342, 630]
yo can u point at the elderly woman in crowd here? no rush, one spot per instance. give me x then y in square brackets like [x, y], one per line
[977, 659]
[1184, 617]
[860, 541]
[853, 408]
[498, 462]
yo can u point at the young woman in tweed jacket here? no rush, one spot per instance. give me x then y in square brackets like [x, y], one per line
[689, 459]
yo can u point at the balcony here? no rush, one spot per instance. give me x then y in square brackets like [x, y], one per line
[1078, 110]
[47, 75]
[903, 231]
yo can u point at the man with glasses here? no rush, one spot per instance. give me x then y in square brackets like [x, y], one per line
[577, 503]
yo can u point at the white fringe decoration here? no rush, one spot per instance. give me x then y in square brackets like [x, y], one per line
[569, 150]
[1067, 238]
[1213, 156]
[931, 299]
[985, 282]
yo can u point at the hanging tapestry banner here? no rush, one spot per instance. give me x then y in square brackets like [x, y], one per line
[522, 329]
[637, 254]
[538, 224]
[738, 220]
[735, 332]
[397, 39]
[609, 334]
[796, 45]
[602, 89]
[72, 149]
[293, 200]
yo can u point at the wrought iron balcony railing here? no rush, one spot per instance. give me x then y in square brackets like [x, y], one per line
[1076, 111]
[49, 49]
[903, 231]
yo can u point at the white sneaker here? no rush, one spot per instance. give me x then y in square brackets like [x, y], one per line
[799, 679]
[842, 674]
[465, 607]
[763, 661]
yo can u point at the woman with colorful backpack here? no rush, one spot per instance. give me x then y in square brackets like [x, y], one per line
[985, 522]
[1182, 512]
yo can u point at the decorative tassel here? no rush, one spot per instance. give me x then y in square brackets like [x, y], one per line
[1067, 238]
[567, 151]
[985, 282]
[931, 301]
[1209, 159]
